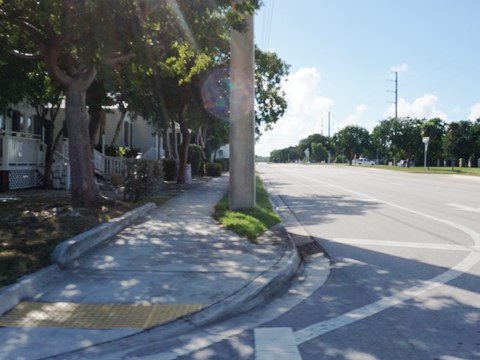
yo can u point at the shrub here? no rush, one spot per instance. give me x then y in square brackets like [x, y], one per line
[120, 151]
[341, 159]
[170, 168]
[142, 177]
[115, 151]
[225, 164]
[213, 169]
[194, 158]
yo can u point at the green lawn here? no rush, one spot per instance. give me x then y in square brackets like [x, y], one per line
[33, 222]
[252, 223]
[433, 170]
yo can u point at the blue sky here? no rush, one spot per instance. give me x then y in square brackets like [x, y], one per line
[342, 54]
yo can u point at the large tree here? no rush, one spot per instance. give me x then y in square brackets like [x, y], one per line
[189, 77]
[407, 137]
[270, 100]
[457, 142]
[352, 141]
[399, 137]
[28, 82]
[308, 142]
[474, 134]
[434, 129]
[71, 38]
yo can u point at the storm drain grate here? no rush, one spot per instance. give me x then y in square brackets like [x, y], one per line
[94, 316]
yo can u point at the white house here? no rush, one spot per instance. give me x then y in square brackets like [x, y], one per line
[22, 147]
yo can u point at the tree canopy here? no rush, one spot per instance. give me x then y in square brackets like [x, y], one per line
[395, 139]
[352, 141]
[144, 43]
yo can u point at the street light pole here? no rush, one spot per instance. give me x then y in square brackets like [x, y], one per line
[242, 118]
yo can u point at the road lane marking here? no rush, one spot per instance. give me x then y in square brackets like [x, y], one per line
[275, 344]
[464, 208]
[406, 244]
[323, 327]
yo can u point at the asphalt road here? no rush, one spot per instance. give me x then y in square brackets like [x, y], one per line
[404, 280]
[405, 262]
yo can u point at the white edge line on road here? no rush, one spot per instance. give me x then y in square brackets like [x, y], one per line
[406, 244]
[318, 329]
[464, 208]
[275, 344]
[323, 327]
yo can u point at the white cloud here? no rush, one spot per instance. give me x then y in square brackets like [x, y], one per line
[358, 118]
[422, 107]
[474, 112]
[306, 109]
[399, 68]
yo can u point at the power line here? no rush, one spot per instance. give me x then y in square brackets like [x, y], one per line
[267, 23]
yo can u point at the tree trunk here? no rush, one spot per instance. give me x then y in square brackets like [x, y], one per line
[186, 136]
[118, 128]
[95, 126]
[203, 141]
[49, 142]
[174, 142]
[85, 191]
[49, 156]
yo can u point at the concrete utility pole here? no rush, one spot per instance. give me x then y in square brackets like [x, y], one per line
[396, 94]
[242, 119]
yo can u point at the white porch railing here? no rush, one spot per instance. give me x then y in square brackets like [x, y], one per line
[108, 165]
[20, 150]
[114, 165]
[61, 169]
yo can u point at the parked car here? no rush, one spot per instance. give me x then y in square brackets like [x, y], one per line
[403, 163]
[364, 161]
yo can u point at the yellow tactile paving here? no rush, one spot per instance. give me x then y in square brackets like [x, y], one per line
[93, 316]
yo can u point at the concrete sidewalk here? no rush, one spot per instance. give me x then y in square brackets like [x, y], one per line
[173, 271]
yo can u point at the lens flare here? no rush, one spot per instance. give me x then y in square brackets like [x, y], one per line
[216, 93]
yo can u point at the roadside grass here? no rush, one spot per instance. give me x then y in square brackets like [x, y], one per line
[433, 170]
[33, 222]
[249, 223]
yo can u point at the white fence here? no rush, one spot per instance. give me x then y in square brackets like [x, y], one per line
[23, 156]
[114, 165]
[19, 150]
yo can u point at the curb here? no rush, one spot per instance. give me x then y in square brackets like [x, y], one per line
[260, 291]
[71, 249]
[268, 285]
[30, 285]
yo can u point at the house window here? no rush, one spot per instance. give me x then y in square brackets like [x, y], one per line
[29, 124]
[16, 122]
[21, 121]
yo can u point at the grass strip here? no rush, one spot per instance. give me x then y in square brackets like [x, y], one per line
[251, 223]
[433, 170]
[32, 225]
